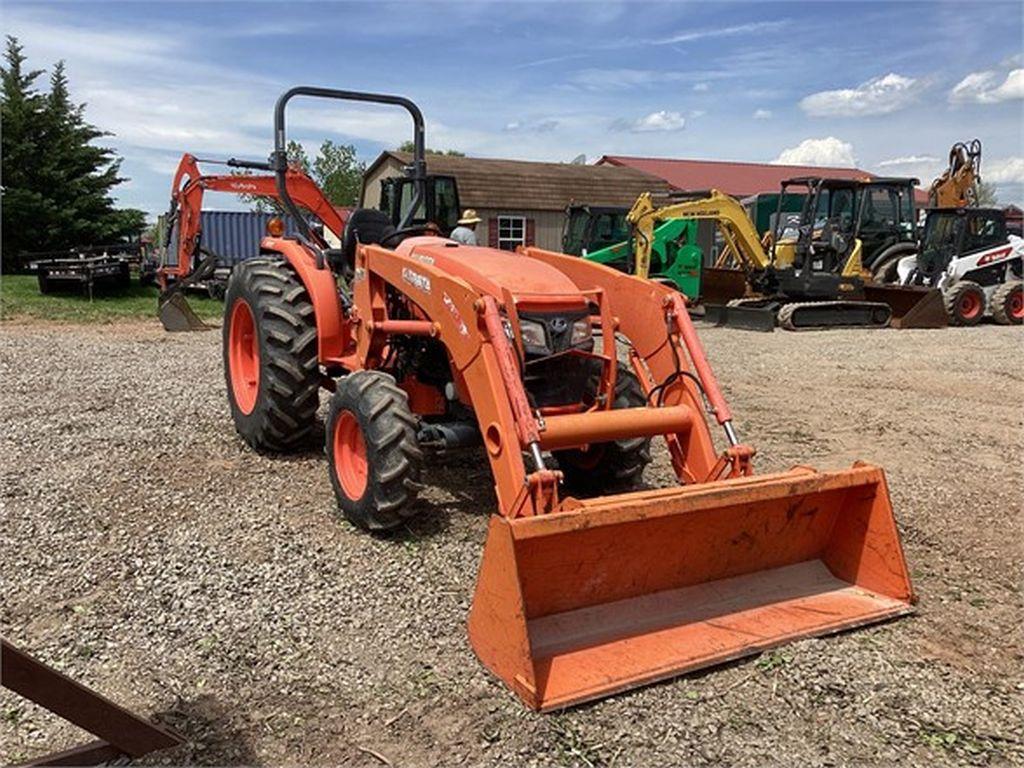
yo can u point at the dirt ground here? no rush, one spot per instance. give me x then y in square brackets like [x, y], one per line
[150, 554]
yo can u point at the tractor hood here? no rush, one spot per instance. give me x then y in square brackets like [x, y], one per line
[491, 271]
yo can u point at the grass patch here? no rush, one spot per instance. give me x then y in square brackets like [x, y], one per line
[20, 299]
[773, 660]
[571, 748]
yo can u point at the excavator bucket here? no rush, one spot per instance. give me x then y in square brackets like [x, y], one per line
[912, 306]
[624, 590]
[720, 286]
[176, 315]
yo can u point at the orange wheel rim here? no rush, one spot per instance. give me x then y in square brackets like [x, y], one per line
[1017, 305]
[243, 357]
[970, 305]
[350, 464]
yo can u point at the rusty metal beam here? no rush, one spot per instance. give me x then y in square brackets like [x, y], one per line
[121, 732]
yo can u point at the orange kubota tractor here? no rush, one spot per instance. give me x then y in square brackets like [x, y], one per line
[564, 371]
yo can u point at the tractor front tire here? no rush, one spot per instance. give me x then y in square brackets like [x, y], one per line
[1008, 303]
[270, 356]
[613, 466]
[373, 457]
[965, 303]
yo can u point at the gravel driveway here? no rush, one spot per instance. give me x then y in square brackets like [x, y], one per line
[150, 554]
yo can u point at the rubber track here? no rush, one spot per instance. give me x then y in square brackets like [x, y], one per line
[788, 310]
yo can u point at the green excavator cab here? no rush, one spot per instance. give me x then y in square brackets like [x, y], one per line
[602, 235]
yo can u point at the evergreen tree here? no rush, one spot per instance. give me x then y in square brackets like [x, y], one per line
[21, 108]
[57, 181]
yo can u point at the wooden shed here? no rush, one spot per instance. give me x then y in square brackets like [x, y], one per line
[520, 202]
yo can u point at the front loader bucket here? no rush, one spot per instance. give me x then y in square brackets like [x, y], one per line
[176, 315]
[912, 306]
[629, 589]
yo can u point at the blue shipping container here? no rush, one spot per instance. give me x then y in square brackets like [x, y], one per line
[233, 235]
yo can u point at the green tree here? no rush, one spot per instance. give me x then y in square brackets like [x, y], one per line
[21, 108]
[339, 173]
[407, 146]
[987, 196]
[57, 182]
[335, 169]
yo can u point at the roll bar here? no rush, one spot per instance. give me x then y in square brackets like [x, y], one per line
[279, 158]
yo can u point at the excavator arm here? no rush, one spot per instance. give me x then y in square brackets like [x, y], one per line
[730, 218]
[187, 202]
[957, 187]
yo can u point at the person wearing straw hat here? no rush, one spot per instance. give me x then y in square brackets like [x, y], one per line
[465, 233]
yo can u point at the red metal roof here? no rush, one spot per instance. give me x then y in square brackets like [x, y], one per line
[736, 179]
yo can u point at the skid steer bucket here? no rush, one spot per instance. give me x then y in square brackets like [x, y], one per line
[912, 306]
[629, 589]
[176, 315]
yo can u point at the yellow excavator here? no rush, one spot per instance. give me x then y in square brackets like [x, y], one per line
[957, 187]
[808, 272]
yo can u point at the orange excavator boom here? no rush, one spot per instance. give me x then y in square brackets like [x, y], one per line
[181, 264]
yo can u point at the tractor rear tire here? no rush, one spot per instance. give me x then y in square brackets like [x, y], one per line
[613, 466]
[373, 457]
[1008, 303]
[270, 356]
[965, 303]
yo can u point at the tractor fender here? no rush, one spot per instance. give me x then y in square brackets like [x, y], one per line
[331, 327]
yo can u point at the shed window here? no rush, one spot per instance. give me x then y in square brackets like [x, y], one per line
[511, 232]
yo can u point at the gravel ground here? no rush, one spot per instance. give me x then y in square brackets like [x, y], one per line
[150, 554]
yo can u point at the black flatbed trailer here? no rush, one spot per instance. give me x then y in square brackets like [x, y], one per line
[84, 271]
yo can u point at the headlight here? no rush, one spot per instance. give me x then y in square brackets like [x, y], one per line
[580, 331]
[533, 334]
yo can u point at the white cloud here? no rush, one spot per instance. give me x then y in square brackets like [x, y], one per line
[908, 160]
[762, 114]
[662, 120]
[739, 29]
[829, 151]
[549, 60]
[921, 167]
[618, 79]
[986, 88]
[531, 126]
[1007, 171]
[701, 87]
[695, 113]
[878, 96]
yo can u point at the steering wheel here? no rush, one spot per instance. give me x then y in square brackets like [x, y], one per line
[419, 229]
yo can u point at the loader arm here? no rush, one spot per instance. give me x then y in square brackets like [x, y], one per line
[728, 215]
[190, 184]
[582, 591]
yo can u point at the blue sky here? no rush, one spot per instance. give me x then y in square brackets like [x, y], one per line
[885, 86]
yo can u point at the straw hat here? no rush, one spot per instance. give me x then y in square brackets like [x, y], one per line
[469, 217]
